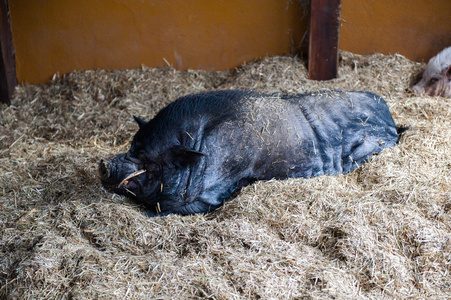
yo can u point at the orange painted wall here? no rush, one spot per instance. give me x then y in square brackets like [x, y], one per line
[59, 36]
[417, 29]
[53, 36]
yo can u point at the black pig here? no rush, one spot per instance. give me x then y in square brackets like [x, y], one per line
[200, 149]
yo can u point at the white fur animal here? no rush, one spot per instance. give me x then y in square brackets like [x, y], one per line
[436, 79]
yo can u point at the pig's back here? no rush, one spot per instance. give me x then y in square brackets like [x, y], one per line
[348, 127]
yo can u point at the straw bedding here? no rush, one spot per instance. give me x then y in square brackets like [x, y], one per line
[380, 232]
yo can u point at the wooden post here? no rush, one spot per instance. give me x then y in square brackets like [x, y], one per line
[323, 39]
[8, 78]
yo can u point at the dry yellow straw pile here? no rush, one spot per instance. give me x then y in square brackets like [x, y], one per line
[382, 231]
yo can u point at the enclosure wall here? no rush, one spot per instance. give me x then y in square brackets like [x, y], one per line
[55, 36]
[417, 29]
[59, 36]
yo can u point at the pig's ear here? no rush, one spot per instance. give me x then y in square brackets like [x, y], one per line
[181, 156]
[140, 122]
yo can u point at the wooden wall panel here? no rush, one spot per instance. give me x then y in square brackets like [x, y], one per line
[417, 29]
[59, 36]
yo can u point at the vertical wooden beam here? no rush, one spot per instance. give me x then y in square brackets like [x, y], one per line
[8, 78]
[323, 39]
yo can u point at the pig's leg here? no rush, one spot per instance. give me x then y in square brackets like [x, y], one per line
[359, 153]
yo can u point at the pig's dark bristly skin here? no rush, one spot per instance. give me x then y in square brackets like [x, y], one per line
[202, 148]
[436, 79]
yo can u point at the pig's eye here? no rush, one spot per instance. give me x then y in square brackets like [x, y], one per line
[136, 146]
[132, 158]
[142, 156]
[433, 80]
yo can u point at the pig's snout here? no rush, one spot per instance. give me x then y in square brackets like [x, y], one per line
[417, 89]
[105, 169]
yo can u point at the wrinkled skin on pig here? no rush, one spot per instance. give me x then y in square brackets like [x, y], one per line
[202, 148]
[436, 80]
